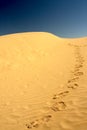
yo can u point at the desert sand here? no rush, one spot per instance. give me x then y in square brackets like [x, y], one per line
[43, 82]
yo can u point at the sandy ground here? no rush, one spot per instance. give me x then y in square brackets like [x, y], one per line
[43, 82]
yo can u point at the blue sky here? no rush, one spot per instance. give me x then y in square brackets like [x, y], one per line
[65, 18]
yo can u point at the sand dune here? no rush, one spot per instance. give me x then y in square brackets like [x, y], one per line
[43, 84]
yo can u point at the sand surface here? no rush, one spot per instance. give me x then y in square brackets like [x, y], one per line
[43, 82]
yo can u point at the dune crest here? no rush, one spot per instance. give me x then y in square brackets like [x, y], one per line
[43, 82]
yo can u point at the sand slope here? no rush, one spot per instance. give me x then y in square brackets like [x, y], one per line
[43, 82]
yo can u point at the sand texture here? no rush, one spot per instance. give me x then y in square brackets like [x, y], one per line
[43, 82]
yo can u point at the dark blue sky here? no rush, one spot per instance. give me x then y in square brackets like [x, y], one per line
[65, 18]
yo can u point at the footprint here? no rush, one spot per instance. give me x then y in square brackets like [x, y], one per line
[46, 118]
[73, 80]
[73, 86]
[63, 93]
[28, 126]
[33, 124]
[56, 96]
[58, 106]
[79, 66]
[77, 69]
[79, 73]
[36, 123]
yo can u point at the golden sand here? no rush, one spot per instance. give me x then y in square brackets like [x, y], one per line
[43, 82]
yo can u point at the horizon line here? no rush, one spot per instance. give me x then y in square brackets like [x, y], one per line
[43, 32]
